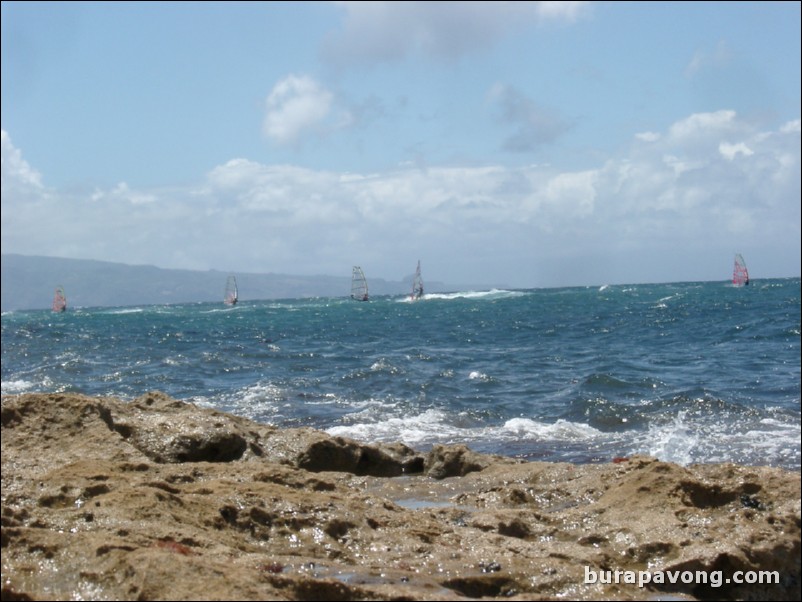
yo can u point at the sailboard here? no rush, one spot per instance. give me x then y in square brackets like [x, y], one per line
[59, 300]
[231, 295]
[359, 285]
[740, 275]
[417, 284]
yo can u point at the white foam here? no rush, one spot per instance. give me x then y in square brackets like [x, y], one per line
[491, 294]
[261, 393]
[383, 365]
[436, 426]
[673, 442]
[561, 430]
[16, 386]
[767, 442]
[427, 426]
[494, 293]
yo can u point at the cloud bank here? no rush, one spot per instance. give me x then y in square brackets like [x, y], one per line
[674, 206]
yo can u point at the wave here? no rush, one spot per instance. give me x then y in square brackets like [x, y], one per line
[439, 426]
[685, 441]
[16, 386]
[491, 294]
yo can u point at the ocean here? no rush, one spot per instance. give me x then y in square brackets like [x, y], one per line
[686, 372]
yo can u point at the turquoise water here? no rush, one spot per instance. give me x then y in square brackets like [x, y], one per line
[688, 372]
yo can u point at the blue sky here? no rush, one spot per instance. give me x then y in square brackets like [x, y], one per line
[525, 144]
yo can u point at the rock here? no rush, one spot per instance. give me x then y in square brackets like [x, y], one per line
[343, 455]
[159, 499]
[456, 461]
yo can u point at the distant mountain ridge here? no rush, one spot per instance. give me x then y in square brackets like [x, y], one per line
[28, 282]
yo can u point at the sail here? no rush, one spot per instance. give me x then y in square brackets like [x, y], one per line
[59, 300]
[740, 275]
[232, 294]
[359, 285]
[417, 284]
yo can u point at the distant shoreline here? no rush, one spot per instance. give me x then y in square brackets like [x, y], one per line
[28, 283]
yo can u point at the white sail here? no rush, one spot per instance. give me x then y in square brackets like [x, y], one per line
[231, 295]
[417, 284]
[359, 285]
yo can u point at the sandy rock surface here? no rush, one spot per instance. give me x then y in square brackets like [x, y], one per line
[158, 499]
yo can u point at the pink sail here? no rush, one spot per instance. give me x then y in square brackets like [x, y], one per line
[59, 300]
[740, 275]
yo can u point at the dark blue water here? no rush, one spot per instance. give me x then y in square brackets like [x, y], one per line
[688, 372]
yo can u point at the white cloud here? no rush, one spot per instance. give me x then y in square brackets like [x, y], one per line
[375, 32]
[122, 192]
[296, 105]
[730, 151]
[792, 127]
[562, 11]
[574, 192]
[234, 174]
[700, 125]
[16, 173]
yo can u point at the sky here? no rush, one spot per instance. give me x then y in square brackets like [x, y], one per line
[517, 144]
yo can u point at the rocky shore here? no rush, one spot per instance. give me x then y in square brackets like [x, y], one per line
[156, 499]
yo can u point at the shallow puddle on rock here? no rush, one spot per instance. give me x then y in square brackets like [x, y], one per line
[418, 504]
